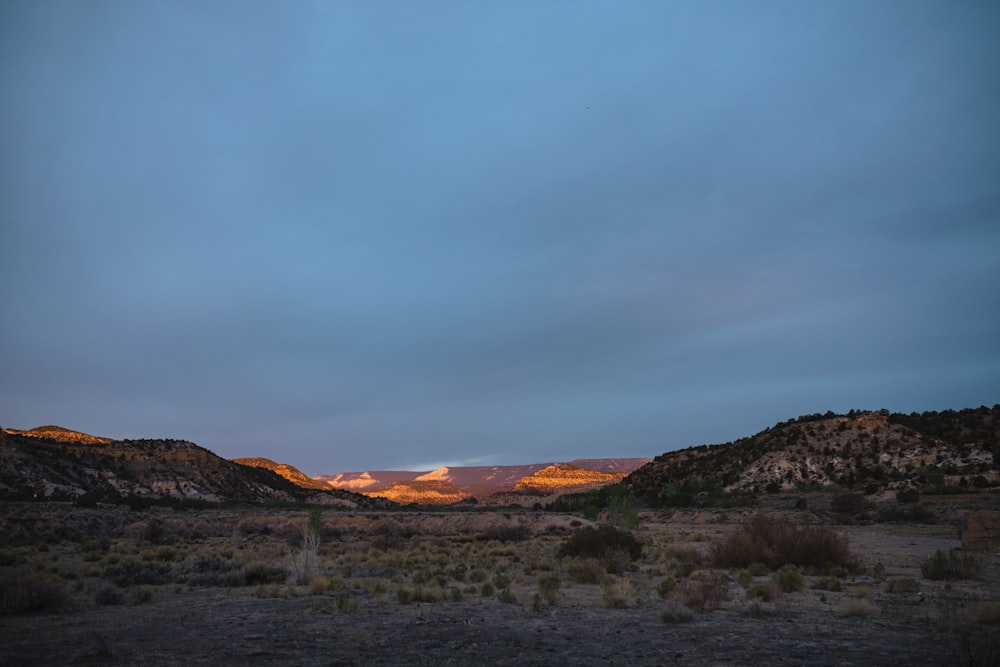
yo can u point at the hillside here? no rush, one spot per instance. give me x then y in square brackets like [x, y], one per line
[60, 434]
[291, 473]
[33, 467]
[868, 451]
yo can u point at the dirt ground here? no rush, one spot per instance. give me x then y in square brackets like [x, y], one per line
[360, 621]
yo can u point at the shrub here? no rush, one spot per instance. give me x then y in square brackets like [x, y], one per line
[259, 572]
[776, 544]
[827, 584]
[107, 593]
[585, 571]
[675, 612]
[506, 532]
[788, 579]
[346, 604]
[850, 504]
[318, 586]
[616, 593]
[907, 496]
[486, 590]
[134, 572]
[762, 592]
[24, 592]
[854, 608]
[701, 594]
[142, 594]
[304, 567]
[902, 585]
[507, 596]
[600, 542]
[548, 589]
[666, 587]
[213, 571]
[951, 566]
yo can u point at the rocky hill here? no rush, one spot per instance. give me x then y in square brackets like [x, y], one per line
[565, 477]
[289, 472]
[867, 451]
[34, 467]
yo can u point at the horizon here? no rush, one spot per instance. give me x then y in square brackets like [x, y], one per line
[474, 463]
[338, 234]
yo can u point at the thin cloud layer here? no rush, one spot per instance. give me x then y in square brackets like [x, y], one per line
[350, 236]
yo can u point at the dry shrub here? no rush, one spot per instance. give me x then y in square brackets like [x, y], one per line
[134, 572]
[901, 585]
[827, 584]
[616, 593]
[212, 570]
[304, 567]
[24, 592]
[586, 571]
[601, 542]
[259, 572]
[951, 566]
[775, 543]
[855, 608]
[505, 532]
[346, 604]
[675, 612]
[410, 594]
[788, 579]
[318, 586]
[107, 593]
[983, 613]
[701, 594]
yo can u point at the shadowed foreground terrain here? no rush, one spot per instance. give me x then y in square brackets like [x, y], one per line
[259, 587]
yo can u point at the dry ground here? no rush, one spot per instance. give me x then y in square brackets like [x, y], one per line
[162, 587]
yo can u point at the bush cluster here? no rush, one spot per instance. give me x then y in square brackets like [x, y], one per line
[764, 540]
[951, 566]
[25, 591]
[600, 542]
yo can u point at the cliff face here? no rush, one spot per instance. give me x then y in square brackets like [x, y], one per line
[564, 477]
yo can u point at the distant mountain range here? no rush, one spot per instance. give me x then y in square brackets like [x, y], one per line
[485, 484]
[862, 450]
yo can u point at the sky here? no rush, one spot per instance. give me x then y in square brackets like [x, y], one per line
[396, 235]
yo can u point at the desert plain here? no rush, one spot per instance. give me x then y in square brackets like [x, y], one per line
[109, 585]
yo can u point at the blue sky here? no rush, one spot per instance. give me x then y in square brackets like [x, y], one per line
[361, 235]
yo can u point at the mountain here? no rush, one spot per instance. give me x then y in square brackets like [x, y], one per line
[33, 465]
[291, 473]
[868, 451]
[478, 481]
